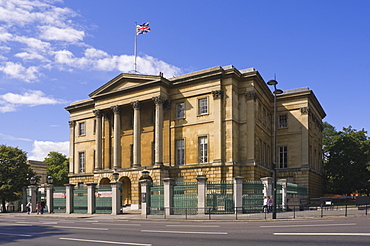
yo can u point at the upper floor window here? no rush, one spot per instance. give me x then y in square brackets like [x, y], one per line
[283, 157]
[203, 149]
[203, 106]
[283, 121]
[82, 129]
[180, 110]
[81, 162]
[180, 152]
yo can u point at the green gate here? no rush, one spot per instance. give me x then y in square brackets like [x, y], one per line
[103, 199]
[156, 202]
[220, 197]
[59, 199]
[252, 196]
[80, 200]
[185, 198]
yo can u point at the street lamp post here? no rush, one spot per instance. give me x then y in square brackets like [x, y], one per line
[274, 190]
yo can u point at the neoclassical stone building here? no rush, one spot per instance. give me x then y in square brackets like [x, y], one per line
[216, 122]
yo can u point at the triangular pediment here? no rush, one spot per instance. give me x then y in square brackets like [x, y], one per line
[125, 82]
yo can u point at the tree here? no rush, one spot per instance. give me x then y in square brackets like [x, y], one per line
[14, 173]
[346, 160]
[58, 168]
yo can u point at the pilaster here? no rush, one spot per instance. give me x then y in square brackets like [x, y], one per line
[98, 140]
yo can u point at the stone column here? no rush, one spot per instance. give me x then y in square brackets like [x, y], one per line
[69, 198]
[217, 105]
[91, 207]
[284, 192]
[72, 126]
[32, 189]
[116, 197]
[117, 138]
[202, 193]
[238, 194]
[168, 195]
[98, 141]
[145, 196]
[137, 135]
[50, 198]
[267, 186]
[158, 134]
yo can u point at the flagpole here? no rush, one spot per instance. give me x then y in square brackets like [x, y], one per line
[135, 48]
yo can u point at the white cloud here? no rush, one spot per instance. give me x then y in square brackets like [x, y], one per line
[42, 148]
[61, 34]
[18, 71]
[8, 137]
[99, 60]
[42, 36]
[31, 98]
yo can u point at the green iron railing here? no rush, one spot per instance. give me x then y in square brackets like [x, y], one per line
[252, 196]
[80, 200]
[103, 199]
[59, 199]
[156, 198]
[185, 198]
[220, 197]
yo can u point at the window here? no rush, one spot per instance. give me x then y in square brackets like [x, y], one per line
[283, 157]
[81, 161]
[94, 130]
[180, 110]
[283, 121]
[203, 106]
[203, 149]
[82, 129]
[153, 153]
[180, 152]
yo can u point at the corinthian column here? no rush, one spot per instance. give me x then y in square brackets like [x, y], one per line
[158, 134]
[137, 133]
[98, 141]
[117, 138]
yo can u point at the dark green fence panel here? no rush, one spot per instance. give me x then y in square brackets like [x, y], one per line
[252, 196]
[296, 189]
[220, 197]
[185, 198]
[156, 198]
[80, 200]
[103, 199]
[59, 199]
[279, 196]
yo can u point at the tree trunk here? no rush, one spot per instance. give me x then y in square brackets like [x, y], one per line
[3, 208]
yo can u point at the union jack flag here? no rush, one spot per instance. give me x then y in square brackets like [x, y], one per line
[142, 29]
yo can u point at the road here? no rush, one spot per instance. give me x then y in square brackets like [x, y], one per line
[42, 230]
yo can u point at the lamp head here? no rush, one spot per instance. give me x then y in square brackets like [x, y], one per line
[115, 176]
[145, 173]
[32, 180]
[272, 82]
[50, 179]
[278, 91]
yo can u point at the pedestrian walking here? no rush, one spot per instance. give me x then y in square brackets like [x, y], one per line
[38, 207]
[269, 204]
[28, 206]
[264, 207]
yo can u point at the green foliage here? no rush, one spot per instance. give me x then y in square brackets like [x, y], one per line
[346, 160]
[14, 173]
[58, 168]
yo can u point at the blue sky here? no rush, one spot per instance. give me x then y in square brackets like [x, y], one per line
[55, 52]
